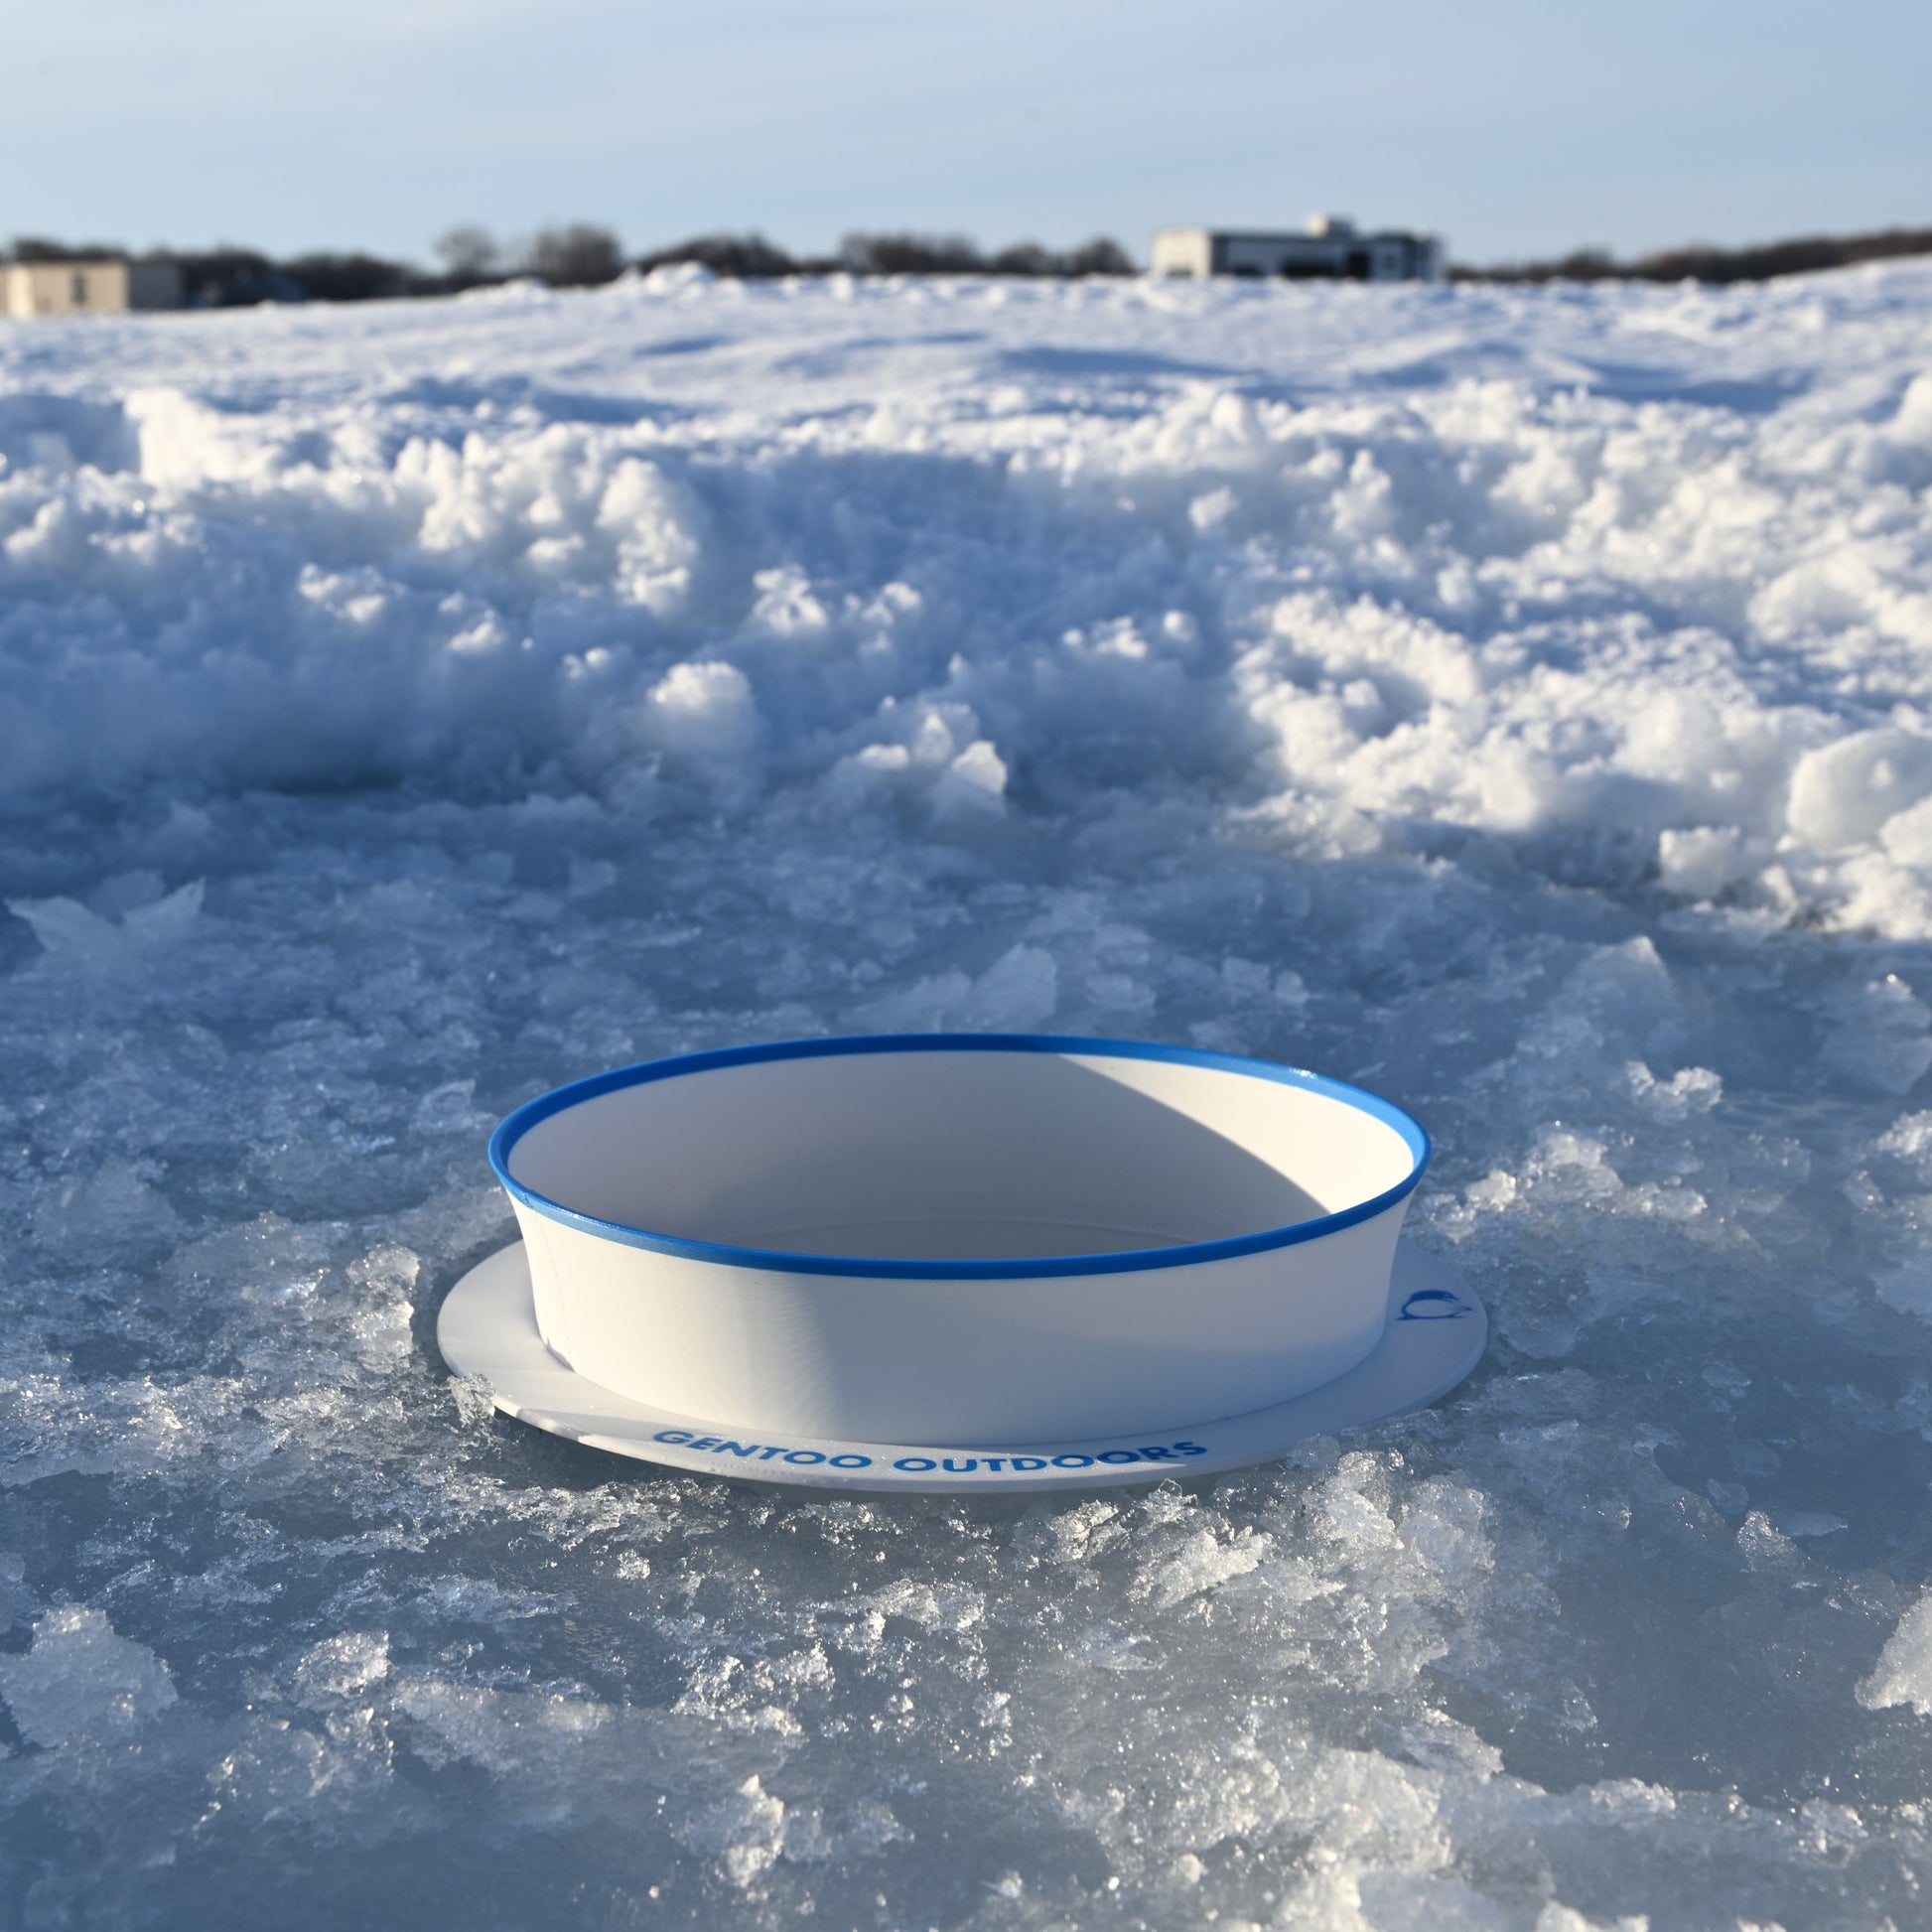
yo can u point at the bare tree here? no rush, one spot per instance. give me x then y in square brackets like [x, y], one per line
[1025, 258]
[470, 254]
[39, 248]
[910, 254]
[746, 256]
[355, 277]
[954, 254]
[578, 256]
[1100, 256]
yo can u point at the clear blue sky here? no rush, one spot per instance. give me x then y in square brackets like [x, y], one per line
[1513, 126]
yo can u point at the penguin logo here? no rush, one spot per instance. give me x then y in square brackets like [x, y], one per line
[1433, 1304]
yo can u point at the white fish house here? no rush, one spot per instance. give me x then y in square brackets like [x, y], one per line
[106, 285]
[1327, 249]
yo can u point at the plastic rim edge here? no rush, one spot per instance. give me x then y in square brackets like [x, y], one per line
[724, 1254]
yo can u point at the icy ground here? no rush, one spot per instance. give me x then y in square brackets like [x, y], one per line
[1521, 702]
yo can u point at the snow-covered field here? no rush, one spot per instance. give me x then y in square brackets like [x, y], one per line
[1518, 700]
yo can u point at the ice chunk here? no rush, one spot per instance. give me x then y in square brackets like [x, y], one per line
[1904, 1674]
[81, 1679]
[75, 937]
[14, 1597]
[112, 1212]
[745, 1830]
[343, 1666]
[976, 780]
[1882, 1037]
[1019, 992]
[383, 1281]
[1843, 792]
[1690, 1089]
[701, 710]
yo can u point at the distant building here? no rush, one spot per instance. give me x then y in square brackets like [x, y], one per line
[104, 286]
[1328, 249]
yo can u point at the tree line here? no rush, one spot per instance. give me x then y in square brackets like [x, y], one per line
[581, 254]
[1701, 262]
[575, 255]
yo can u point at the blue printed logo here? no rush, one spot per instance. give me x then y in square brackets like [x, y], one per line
[1433, 1304]
[758, 1451]
[962, 1465]
[995, 1464]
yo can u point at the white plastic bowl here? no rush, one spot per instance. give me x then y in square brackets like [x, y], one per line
[959, 1238]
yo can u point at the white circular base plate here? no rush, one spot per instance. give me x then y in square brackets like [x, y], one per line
[488, 1327]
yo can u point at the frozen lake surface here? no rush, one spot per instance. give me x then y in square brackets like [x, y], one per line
[1519, 701]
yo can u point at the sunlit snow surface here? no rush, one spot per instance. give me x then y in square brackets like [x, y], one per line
[1519, 701]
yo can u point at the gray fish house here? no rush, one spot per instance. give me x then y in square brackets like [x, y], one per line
[1328, 249]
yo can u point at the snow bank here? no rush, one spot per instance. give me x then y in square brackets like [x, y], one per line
[1641, 621]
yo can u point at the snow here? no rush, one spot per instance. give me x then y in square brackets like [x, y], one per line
[1518, 700]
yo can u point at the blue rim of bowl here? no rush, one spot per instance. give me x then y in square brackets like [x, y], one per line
[560, 1099]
